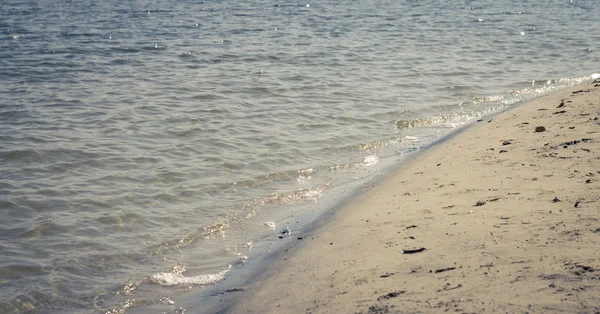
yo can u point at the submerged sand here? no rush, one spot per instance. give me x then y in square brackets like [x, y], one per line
[500, 217]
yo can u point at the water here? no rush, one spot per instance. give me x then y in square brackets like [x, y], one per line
[147, 146]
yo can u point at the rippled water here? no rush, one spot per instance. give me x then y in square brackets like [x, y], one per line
[146, 145]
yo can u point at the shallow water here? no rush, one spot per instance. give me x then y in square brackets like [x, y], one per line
[146, 146]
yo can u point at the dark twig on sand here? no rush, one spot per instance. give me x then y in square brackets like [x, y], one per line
[390, 295]
[413, 251]
[437, 271]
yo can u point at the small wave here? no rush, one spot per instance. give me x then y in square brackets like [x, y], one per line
[176, 277]
[445, 120]
[212, 231]
[465, 112]
[374, 145]
[272, 177]
[291, 198]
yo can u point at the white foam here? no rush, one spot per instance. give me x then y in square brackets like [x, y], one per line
[412, 138]
[271, 224]
[595, 76]
[370, 160]
[166, 300]
[302, 179]
[176, 277]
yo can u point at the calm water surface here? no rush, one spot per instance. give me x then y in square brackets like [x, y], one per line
[147, 146]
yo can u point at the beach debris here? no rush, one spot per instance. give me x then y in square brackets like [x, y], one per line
[579, 91]
[300, 238]
[596, 231]
[234, 290]
[386, 275]
[588, 181]
[374, 309]
[556, 200]
[577, 204]
[559, 112]
[479, 203]
[574, 142]
[229, 291]
[507, 142]
[437, 271]
[502, 151]
[562, 104]
[411, 226]
[390, 295]
[547, 277]
[579, 269]
[285, 232]
[447, 287]
[569, 143]
[413, 251]
[539, 129]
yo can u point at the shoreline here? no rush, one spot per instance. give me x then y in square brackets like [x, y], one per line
[480, 203]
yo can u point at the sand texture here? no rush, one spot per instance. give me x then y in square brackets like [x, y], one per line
[498, 218]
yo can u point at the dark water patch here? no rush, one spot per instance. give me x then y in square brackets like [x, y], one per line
[22, 156]
[14, 272]
[124, 50]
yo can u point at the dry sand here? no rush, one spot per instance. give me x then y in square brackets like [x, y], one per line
[508, 218]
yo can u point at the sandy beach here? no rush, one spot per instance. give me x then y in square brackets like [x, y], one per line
[502, 217]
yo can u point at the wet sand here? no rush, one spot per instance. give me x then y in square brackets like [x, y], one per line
[503, 217]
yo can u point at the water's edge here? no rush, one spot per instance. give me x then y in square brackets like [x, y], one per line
[265, 261]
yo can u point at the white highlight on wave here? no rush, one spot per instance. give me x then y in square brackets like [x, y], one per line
[176, 277]
[370, 160]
